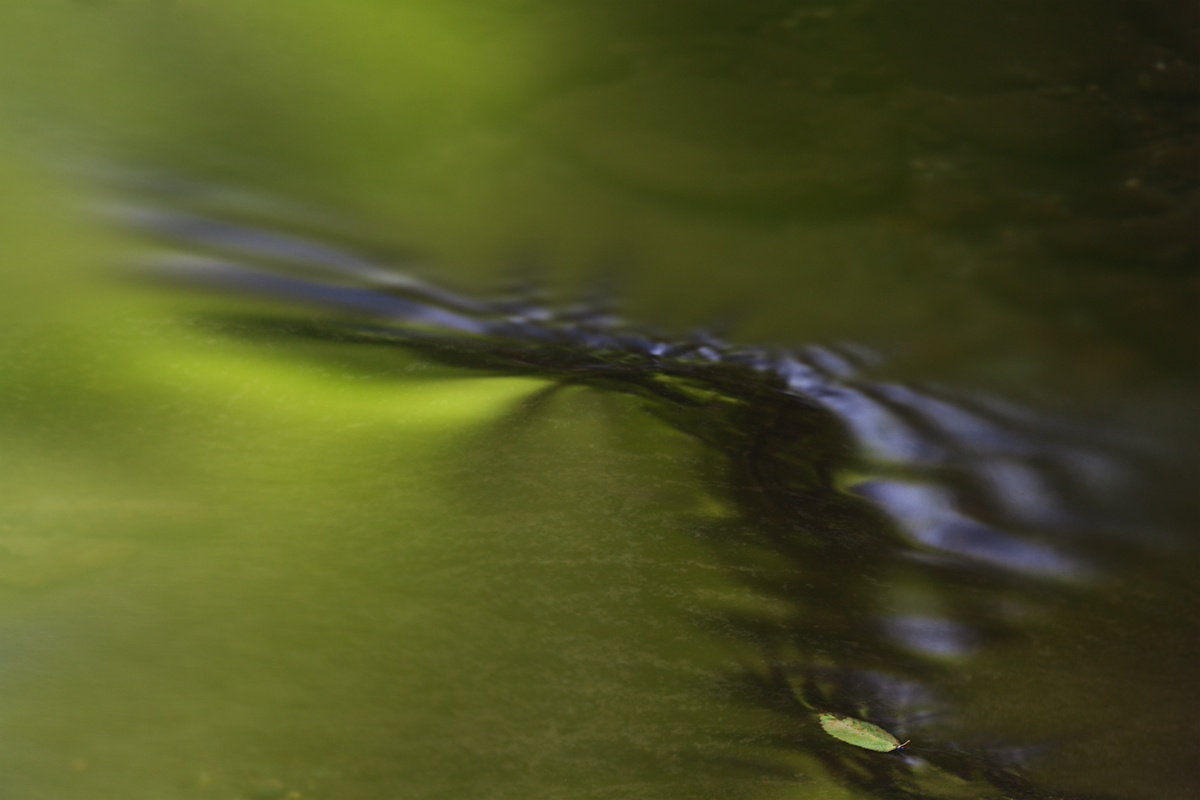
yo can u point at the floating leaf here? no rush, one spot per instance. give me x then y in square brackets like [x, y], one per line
[859, 733]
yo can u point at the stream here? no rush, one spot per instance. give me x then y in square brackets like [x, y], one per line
[402, 401]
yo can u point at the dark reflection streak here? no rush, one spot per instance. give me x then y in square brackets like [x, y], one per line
[782, 458]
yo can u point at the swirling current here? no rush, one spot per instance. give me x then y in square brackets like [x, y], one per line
[845, 480]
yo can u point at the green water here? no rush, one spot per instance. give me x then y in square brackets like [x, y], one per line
[242, 566]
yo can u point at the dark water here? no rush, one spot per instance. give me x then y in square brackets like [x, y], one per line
[435, 495]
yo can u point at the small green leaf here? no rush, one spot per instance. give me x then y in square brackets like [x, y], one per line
[859, 733]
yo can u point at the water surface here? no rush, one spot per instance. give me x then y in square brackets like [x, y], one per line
[293, 541]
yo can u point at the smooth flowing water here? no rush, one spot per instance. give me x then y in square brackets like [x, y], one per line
[407, 400]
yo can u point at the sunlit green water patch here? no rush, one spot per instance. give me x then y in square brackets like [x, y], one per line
[259, 569]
